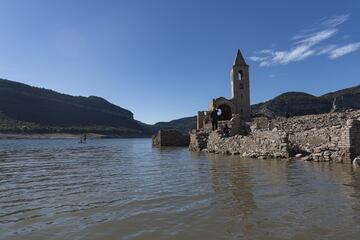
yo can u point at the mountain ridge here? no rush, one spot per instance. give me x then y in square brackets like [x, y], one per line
[48, 110]
[300, 103]
[24, 108]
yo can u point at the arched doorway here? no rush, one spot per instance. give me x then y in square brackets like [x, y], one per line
[225, 112]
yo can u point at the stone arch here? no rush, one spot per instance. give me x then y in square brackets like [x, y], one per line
[227, 107]
[226, 112]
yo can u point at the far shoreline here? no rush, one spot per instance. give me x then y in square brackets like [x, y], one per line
[54, 136]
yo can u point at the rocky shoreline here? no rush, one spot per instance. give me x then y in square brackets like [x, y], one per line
[331, 137]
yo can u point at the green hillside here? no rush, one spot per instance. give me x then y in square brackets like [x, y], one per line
[32, 109]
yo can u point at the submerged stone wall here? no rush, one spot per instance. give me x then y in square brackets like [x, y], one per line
[170, 138]
[325, 137]
[258, 145]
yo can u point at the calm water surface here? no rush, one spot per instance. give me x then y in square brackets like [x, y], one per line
[124, 189]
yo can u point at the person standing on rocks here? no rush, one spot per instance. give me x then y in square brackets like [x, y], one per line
[214, 119]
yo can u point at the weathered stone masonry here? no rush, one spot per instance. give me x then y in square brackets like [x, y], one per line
[265, 144]
[350, 140]
[329, 137]
[170, 138]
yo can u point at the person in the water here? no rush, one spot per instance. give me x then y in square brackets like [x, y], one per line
[83, 139]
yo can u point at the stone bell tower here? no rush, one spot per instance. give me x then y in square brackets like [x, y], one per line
[240, 89]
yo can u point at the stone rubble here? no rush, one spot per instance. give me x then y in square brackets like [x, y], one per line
[323, 138]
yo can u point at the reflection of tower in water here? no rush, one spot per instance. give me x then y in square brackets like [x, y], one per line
[232, 182]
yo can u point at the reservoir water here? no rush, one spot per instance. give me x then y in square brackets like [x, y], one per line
[125, 189]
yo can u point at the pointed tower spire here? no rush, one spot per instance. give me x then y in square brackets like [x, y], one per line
[239, 60]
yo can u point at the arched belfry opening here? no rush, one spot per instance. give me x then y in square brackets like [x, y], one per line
[240, 75]
[225, 112]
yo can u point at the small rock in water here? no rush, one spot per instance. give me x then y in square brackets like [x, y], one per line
[299, 155]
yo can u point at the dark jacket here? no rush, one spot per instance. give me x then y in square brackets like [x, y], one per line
[213, 115]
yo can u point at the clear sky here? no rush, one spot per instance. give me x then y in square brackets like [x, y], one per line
[166, 59]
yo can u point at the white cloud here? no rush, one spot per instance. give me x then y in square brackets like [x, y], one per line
[325, 23]
[298, 53]
[343, 50]
[326, 49]
[257, 59]
[307, 43]
[317, 37]
[337, 20]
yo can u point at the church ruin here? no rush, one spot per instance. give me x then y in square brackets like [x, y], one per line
[329, 137]
[239, 104]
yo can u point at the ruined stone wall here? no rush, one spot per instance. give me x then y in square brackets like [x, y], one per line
[170, 138]
[198, 140]
[258, 145]
[350, 140]
[326, 137]
[317, 144]
[200, 120]
[304, 123]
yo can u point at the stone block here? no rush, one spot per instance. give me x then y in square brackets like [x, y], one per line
[170, 138]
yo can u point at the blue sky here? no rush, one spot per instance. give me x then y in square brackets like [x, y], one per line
[166, 59]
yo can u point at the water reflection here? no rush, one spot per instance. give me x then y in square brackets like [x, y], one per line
[124, 189]
[263, 197]
[232, 181]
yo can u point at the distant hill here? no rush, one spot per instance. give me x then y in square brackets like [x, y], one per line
[43, 109]
[183, 124]
[345, 99]
[294, 103]
[299, 103]
[29, 109]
